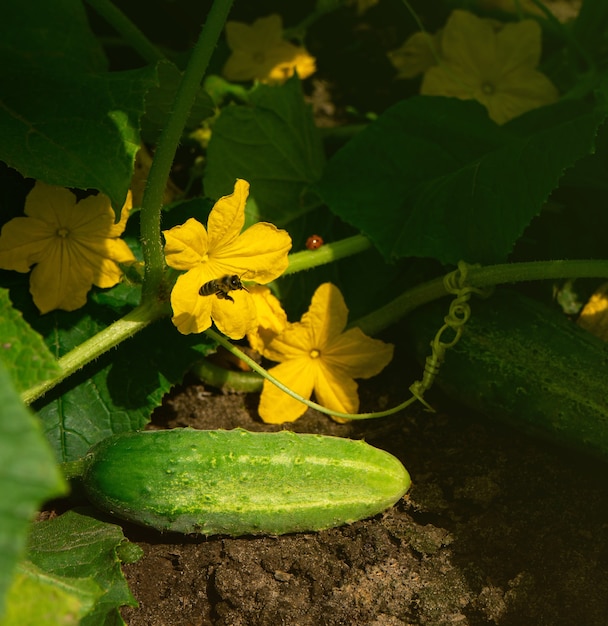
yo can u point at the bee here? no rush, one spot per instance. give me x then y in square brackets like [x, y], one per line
[314, 242]
[222, 287]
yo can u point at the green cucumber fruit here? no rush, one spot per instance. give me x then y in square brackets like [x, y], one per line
[237, 482]
[525, 363]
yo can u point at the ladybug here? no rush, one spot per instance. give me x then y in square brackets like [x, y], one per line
[314, 242]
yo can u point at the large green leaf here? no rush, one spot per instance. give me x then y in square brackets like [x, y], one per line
[272, 143]
[28, 477]
[434, 177]
[23, 352]
[63, 118]
[76, 546]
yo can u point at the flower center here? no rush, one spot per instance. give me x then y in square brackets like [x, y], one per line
[259, 57]
[315, 354]
[488, 88]
[63, 232]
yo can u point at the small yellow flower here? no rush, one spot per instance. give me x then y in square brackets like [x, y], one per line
[259, 52]
[73, 246]
[496, 68]
[258, 254]
[316, 355]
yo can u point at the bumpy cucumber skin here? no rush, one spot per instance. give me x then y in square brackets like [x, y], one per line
[236, 482]
[527, 364]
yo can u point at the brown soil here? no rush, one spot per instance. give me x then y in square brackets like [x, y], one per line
[497, 529]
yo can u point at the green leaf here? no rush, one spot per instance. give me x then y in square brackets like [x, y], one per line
[118, 392]
[28, 477]
[23, 351]
[434, 177]
[160, 100]
[75, 545]
[272, 143]
[65, 120]
[36, 597]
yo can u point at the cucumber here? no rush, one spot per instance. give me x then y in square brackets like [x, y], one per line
[237, 482]
[527, 364]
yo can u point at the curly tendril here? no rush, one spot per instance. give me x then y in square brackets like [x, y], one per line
[458, 315]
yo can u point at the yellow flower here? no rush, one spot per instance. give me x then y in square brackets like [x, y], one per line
[316, 354]
[496, 68]
[258, 254]
[73, 245]
[259, 52]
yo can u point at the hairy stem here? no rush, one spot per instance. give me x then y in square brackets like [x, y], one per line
[167, 145]
[95, 346]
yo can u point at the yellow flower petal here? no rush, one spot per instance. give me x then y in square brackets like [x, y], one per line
[185, 245]
[358, 355]
[326, 316]
[23, 242]
[271, 319]
[264, 32]
[336, 390]
[60, 282]
[191, 312]
[469, 42]
[518, 46]
[259, 254]
[293, 343]
[284, 60]
[416, 55]
[276, 407]
[227, 217]
[234, 319]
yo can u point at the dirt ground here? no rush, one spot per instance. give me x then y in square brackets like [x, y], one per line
[497, 529]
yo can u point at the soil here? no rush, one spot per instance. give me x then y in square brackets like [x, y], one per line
[496, 529]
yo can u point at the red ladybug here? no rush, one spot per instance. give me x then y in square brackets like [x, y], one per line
[314, 242]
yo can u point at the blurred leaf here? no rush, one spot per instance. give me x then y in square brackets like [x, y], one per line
[75, 545]
[272, 143]
[434, 177]
[28, 477]
[37, 597]
[65, 120]
[23, 351]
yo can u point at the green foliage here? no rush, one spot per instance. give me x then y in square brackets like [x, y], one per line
[23, 352]
[430, 181]
[28, 477]
[63, 101]
[451, 184]
[37, 597]
[271, 142]
[93, 569]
